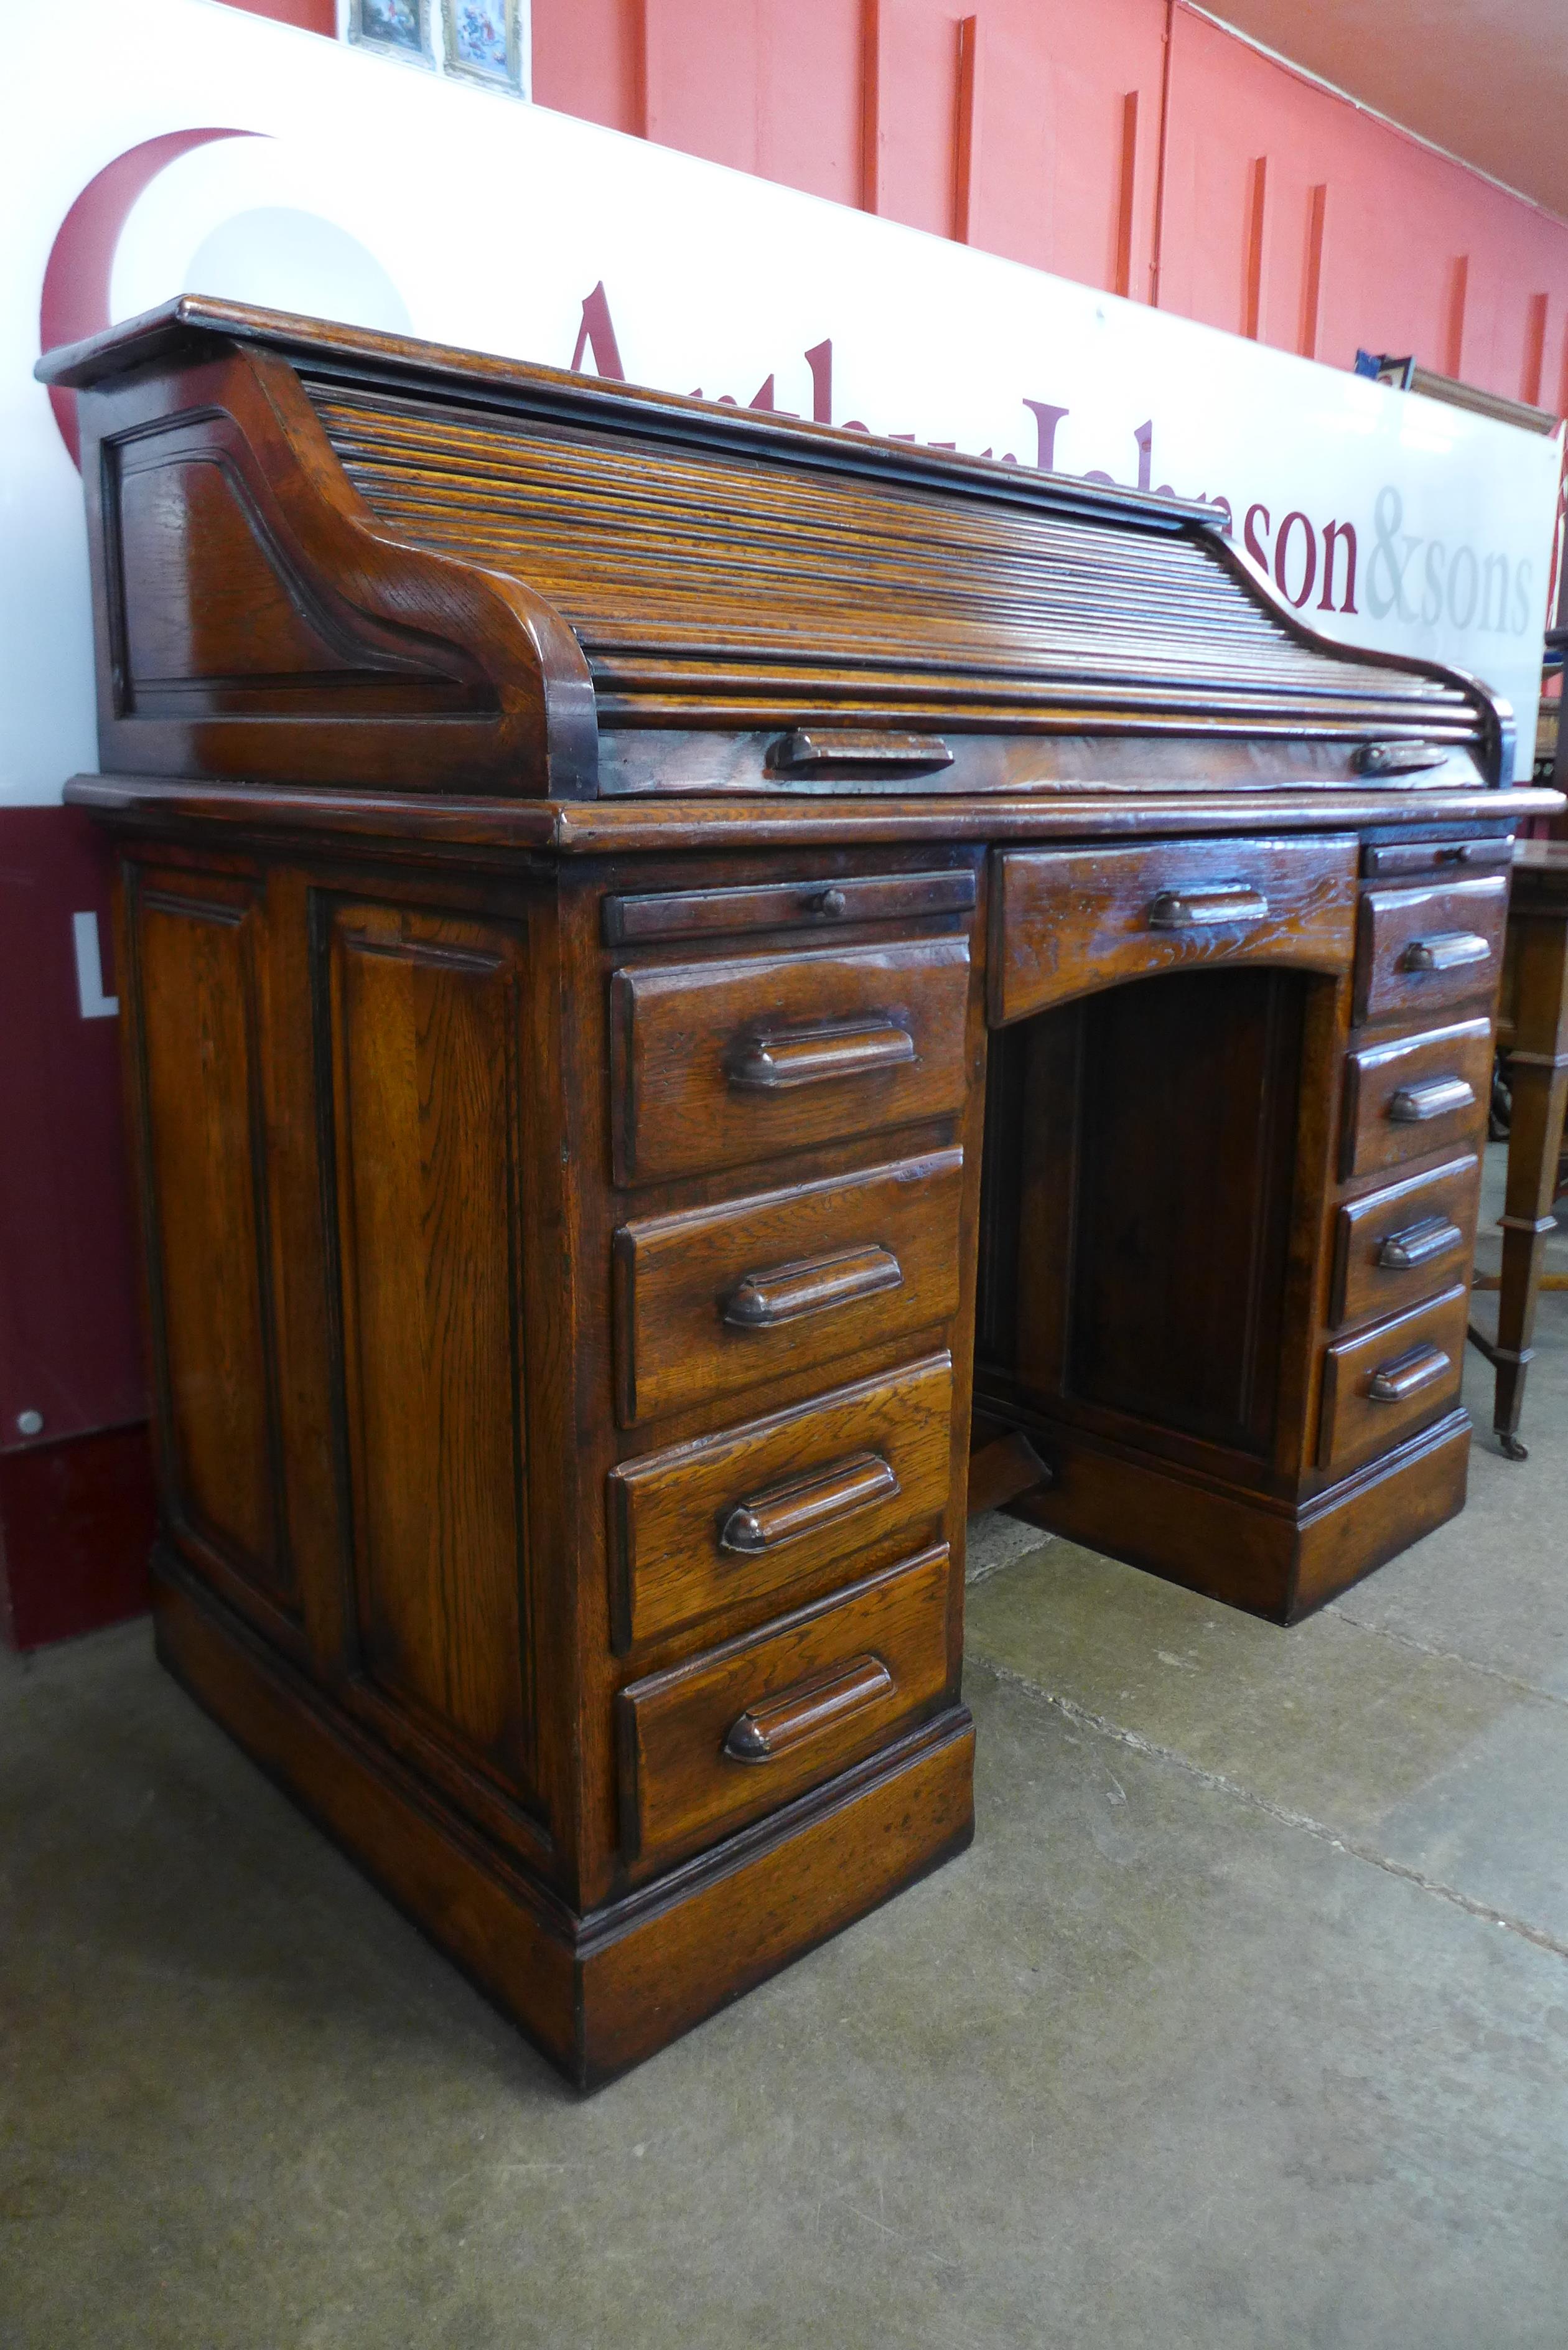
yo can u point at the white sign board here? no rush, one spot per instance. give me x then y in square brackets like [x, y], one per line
[355, 187]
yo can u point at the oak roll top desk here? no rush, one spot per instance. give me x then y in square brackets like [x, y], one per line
[668, 954]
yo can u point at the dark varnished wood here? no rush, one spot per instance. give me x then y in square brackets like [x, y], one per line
[726, 1736]
[723, 1063]
[1063, 926]
[570, 840]
[771, 1512]
[1420, 953]
[1393, 1245]
[714, 1301]
[1387, 1382]
[1415, 1096]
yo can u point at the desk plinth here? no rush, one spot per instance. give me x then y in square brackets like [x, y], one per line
[627, 1043]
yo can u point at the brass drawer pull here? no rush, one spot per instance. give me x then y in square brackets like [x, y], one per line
[863, 747]
[1412, 1105]
[807, 1057]
[1192, 910]
[767, 1731]
[1433, 1236]
[1407, 1375]
[810, 1285]
[1449, 950]
[800, 1505]
[1396, 758]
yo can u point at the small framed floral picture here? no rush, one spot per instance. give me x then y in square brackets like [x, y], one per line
[484, 42]
[398, 29]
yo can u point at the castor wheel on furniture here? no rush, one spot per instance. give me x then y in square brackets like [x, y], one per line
[1511, 1447]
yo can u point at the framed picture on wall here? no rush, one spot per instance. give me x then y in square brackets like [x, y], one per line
[398, 29]
[483, 41]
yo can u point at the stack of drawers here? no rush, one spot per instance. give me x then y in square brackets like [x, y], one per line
[786, 1118]
[1417, 1081]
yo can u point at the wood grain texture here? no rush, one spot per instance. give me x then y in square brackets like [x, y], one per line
[1399, 1244]
[426, 1101]
[721, 570]
[564, 1215]
[723, 1063]
[196, 1080]
[677, 1275]
[680, 1788]
[1420, 953]
[1378, 1076]
[669, 1511]
[1066, 925]
[1383, 1384]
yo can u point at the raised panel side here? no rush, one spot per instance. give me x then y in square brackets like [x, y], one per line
[198, 1056]
[427, 1116]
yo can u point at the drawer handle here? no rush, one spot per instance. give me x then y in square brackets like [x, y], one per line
[778, 1724]
[1449, 950]
[1396, 758]
[1433, 1236]
[1412, 1105]
[860, 747]
[1407, 1375]
[808, 1056]
[1192, 910]
[811, 1285]
[800, 1505]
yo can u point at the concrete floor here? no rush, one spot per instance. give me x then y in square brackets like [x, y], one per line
[1243, 2025]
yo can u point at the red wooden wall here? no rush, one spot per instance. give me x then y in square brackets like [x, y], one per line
[1132, 144]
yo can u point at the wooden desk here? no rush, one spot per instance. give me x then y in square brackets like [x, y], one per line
[1535, 1039]
[600, 875]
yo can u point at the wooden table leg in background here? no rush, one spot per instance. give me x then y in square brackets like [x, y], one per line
[1538, 1066]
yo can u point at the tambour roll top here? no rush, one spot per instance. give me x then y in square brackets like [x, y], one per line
[366, 560]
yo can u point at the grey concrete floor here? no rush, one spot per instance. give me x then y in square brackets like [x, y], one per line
[1243, 2024]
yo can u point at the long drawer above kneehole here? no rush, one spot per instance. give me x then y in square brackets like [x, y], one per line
[713, 1301]
[1066, 922]
[1415, 1097]
[709, 1745]
[772, 1512]
[1423, 952]
[716, 1065]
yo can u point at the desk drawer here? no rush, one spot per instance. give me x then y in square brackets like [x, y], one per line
[1379, 1389]
[1424, 951]
[1066, 923]
[711, 1745]
[714, 1300]
[723, 1063]
[1397, 1246]
[777, 1509]
[1418, 859]
[1415, 1096]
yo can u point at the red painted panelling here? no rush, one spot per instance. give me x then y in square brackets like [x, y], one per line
[587, 59]
[1036, 132]
[1417, 254]
[76, 1529]
[71, 1345]
[311, 16]
[1054, 137]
